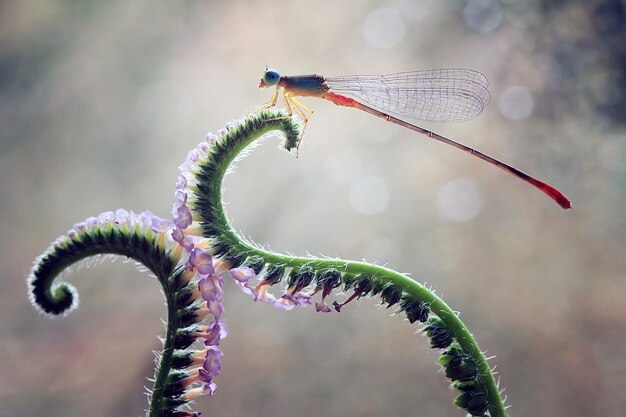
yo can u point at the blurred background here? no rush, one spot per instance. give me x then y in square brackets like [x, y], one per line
[101, 101]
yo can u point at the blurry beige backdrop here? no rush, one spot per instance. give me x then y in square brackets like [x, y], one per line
[100, 102]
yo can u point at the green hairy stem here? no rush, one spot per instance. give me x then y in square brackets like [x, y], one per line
[463, 361]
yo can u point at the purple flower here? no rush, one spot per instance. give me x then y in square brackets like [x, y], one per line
[299, 299]
[212, 362]
[81, 227]
[223, 328]
[322, 307]
[155, 223]
[106, 218]
[182, 216]
[203, 147]
[243, 275]
[212, 291]
[284, 304]
[145, 217]
[182, 239]
[302, 299]
[208, 386]
[211, 137]
[190, 161]
[121, 216]
[159, 225]
[193, 156]
[181, 197]
[133, 219]
[216, 332]
[202, 261]
[261, 293]
[215, 307]
[211, 288]
[182, 182]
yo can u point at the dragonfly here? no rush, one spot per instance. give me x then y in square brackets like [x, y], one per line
[440, 95]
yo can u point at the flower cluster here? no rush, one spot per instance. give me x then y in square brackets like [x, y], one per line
[208, 266]
[183, 237]
[188, 233]
[294, 296]
[109, 232]
[122, 218]
[191, 252]
[208, 271]
[211, 291]
[199, 266]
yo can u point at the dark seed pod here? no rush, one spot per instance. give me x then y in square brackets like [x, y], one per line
[415, 310]
[458, 365]
[440, 337]
[474, 401]
[391, 295]
[362, 285]
[220, 248]
[300, 278]
[447, 356]
[349, 281]
[256, 263]
[330, 279]
[461, 369]
[181, 359]
[210, 229]
[183, 298]
[176, 283]
[173, 387]
[326, 281]
[274, 274]
[235, 259]
[377, 286]
[174, 400]
[182, 342]
[187, 316]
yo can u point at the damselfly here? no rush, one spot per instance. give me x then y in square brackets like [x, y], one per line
[442, 95]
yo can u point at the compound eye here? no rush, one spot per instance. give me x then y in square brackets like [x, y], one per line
[271, 77]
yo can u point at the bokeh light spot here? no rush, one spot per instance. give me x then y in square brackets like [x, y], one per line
[459, 200]
[482, 15]
[384, 28]
[369, 195]
[516, 103]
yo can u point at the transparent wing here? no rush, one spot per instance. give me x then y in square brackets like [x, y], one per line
[442, 95]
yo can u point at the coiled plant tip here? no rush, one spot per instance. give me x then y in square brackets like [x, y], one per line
[191, 252]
